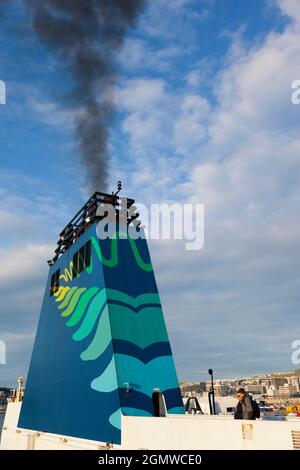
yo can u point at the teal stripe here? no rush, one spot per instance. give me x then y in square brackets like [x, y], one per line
[142, 299]
[158, 373]
[126, 411]
[73, 302]
[143, 328]
[91, 317]
[101, 339]
[115, 419]
[146, 299]
[177, 410]
[81, 306]
[107, 382]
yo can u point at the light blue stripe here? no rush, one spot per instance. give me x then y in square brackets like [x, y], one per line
[115, 419]
[101, 339]
[91, 317]
[158, 373]
[107, 382]
[177, 410]
[126, 411]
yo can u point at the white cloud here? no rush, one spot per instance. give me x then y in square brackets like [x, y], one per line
[136, 95]
[30, 220]
[17, 342]
[139, 55]
[170, 19]
[194, 78]
[29, 211]
[291, 9]
[49, 113]
[20, 263]
[241, 158]
[190, 129]
[147, 105]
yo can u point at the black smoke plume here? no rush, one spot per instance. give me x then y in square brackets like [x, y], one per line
[85, 35]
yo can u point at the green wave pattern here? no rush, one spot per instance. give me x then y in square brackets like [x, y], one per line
[81, 306]
[67, 298]
[127, 326]
[73, 302]
[89, 310]
[92, 315]
[86, 306]
[114, 259]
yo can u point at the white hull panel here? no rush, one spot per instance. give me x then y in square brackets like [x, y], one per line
[172, 432]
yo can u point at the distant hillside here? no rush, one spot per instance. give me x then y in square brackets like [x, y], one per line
[286, 374]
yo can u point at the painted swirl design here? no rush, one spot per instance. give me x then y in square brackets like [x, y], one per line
[135, 328]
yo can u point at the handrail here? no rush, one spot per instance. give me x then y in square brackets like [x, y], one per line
[85, 217]
[59, 439]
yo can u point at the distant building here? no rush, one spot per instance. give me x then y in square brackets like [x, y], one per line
[272, 391]
[294, 382]
[281, 384]
[287, 390]
[265, 382]
[4, 394]
[257, 389]
[202, 387]
[221, 390]
[192, 388]
[278, 381]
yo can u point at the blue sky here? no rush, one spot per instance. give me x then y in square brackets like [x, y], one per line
[203, 114]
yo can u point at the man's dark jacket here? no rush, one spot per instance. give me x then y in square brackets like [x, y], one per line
[244, 409]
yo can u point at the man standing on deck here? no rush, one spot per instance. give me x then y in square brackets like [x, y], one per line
[244, 408]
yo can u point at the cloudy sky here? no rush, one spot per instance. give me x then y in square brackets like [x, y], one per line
[204, 115]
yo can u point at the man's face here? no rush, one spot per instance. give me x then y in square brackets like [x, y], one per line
[240, 396]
